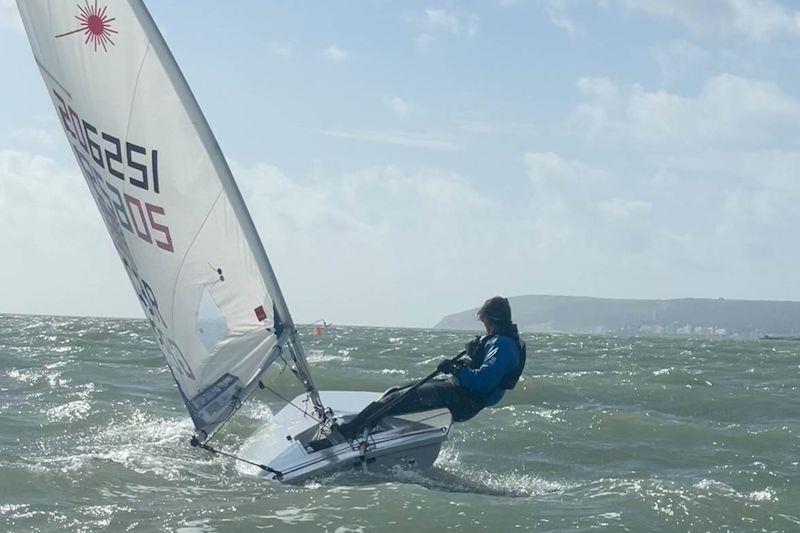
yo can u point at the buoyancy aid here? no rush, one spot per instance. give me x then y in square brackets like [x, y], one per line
[476, 350]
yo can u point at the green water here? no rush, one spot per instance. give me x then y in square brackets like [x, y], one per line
[604, 433]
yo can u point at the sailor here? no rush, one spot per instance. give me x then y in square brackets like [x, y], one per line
[494, 365]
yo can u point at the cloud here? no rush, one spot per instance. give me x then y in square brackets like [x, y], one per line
[450, 22]
[725, 158]
[400, 138]
[619, 209]
[37, 183]
[548, 168]
[370, 244]
[578, 206]
[281, 50]
[424, 41]
[495, 128]
[399, 106]
[33, 136]
[755, 209]
[728, 110]
[58, 260]
[364, 246]
[336, 54]
[675, 58]
[9, 15]
[758, 20]
[556, 11]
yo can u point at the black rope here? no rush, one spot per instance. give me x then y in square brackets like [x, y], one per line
[290, 402]
[197, 444]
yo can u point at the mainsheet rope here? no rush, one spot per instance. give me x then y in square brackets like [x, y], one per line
[197, 444]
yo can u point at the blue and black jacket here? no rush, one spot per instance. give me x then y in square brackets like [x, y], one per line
[500, 365]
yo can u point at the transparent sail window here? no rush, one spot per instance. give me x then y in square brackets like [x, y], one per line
[211, 326]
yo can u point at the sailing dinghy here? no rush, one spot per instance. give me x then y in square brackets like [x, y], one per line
[187, 242]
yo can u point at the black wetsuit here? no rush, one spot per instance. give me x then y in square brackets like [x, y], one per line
[499, 357]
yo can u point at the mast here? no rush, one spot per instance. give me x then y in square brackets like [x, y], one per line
[235, 196]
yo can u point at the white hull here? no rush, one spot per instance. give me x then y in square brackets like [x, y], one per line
[409, 441]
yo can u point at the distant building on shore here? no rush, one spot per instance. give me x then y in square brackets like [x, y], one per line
[705, 317]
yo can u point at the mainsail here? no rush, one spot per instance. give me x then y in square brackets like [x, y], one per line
[168, 200]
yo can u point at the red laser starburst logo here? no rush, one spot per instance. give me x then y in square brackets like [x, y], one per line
[95, 24]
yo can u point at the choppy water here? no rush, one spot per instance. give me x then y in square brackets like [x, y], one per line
[604, 433]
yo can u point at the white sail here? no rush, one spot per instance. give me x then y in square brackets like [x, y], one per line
[166, 196]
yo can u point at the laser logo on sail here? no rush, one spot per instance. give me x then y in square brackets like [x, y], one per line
[94, 24]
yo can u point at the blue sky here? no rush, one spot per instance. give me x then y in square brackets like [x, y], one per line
[405, 160]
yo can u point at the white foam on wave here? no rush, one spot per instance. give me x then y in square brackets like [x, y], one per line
[346, 529]
[70, 411]
[100, 516]
[765, 495]
[461, 476]
[256, 410]
[196, 526]
[140, 443]
[35, 376]
[712, 485]
[293, 515]
[12, 508]
[319, 356]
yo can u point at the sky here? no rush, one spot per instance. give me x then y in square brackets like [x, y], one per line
[407, 160]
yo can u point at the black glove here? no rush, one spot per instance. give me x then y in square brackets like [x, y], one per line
[448, 367]
[472, 346]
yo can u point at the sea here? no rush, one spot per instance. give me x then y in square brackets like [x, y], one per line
[603, 433]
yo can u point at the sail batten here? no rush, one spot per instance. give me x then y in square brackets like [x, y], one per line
[167, 197]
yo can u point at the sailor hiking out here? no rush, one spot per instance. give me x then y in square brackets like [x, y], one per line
[494, 365]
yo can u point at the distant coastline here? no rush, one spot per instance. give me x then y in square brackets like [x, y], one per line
[707, 317]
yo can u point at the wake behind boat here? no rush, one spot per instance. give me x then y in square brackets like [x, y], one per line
[187, 242]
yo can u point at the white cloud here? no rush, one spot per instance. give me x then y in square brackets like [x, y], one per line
[377, 241]
[548, 168]
[400, 138]
[334, 53]
[357, 247]
[374, 242]
[450, 22]
[33, 136]
[556, 11]
[424, 41]
[281, 50]
[9, 15]
[675, 58]
[399, 106]
[495, 128]
[620, 209]
[728, 110]
[759, 192]
[576, 206]
[759, 20]
[723, 158]
[58, 259]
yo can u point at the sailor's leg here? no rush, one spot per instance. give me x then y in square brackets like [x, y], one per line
[434, 394]
[438, 394]
[426, 396]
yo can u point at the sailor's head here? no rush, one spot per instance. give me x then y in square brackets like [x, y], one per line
[495, 313]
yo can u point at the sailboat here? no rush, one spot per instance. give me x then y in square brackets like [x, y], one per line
[189, 246]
